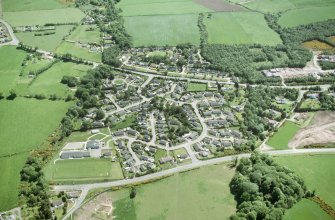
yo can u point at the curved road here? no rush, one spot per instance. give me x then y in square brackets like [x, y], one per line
[14, 41]
[86, 187]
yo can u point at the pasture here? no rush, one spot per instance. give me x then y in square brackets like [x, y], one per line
[26, 124]
[163, 30]
[10, 67]
[41, 17]
[83, 170]
[45, 42]
[30, 5]
[240, 28]
[306, 210]
[317, 171]
[283, 136]
[85, 34]
[48, 82]
[78, 51]
[33, 65]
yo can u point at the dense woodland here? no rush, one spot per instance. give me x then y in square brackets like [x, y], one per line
[264, 189]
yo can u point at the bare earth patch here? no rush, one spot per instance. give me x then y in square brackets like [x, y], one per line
[218, 5]
[320, 131]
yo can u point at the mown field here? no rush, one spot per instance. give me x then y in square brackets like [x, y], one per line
[198, 194]
[196, 87]
[83, 34]
[25, 124]
[79, 52]
[306, 210]
[317, 171]
[163, 30]
[160, 7]
[45, 42]
[41, 17]
[83, 170]
[29, 5]
[285, 133]
[240, 28]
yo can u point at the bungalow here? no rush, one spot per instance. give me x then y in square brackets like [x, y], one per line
[118, 133]
[182, 156]
[57, 204]
[131, 132]
[93, 144]
[74, 154]
[164, 160]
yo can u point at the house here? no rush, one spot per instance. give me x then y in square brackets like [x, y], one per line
[95, 131]
[313, 96]
[182, 156]
[98, 124]
[57, 204]
[74, 154]
[118, 133]
[93, 144]
[164, 160]
[204, 153]
[131, 132]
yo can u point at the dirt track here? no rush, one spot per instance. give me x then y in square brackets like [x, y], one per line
[219, 5]
[321, 131]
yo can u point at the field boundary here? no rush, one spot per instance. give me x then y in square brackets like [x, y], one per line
[324, 206]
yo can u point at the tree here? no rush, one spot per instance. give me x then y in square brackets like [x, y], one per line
[12, 94]
[100, 115]
[132, 193]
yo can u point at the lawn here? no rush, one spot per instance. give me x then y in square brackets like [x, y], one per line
[163, 30]
[240, 28]
[78, 136]
[307, 15]
[83, 170]
[285, 133]
[79, 52]
[48, 82]
[41, 17]
[196, 87]
[317, 171]
[28, 5]
[127, 122]
[84, 34]
[10, 67]
[306, 210]
[26, 124]
[310, 104]
[45, 42]
[160, 7]
[198, 194]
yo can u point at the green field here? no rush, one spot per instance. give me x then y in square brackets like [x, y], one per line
[25, 124]
[198, 194]
[83, 170]
[79, 52]
[307, 15]
[127, 122]
[48, 82]
[10, 67]
[306, 210]
[83, 34]
[317, 171]
[196, 87]
[240, 28]
[45, 42]
[34, 64]
[41, 17]
[285, 133]
[28, 5]
[160, 7]
[163, 30]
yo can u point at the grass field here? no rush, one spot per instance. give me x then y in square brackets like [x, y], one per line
[79, 52]
[41, 17]
[34, 64]
[45, 42]
[196, 87]
[306, 15]
[240, 28]
[317, 171]
[83, 169]
[127, 122]
[163, 30]
[198, 194]
[160, 7]
[306, 210]
[26, 123]
[28, 5]
[48, 82]
[10, 67]
[84, 35]
[285, 133]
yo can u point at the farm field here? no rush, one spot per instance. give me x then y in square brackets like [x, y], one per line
[45, 42]
[306, 15]
[25, 128]
[10, 67]
[41, 17]
[30, 5]
[198, 194]
[285, 133]
[317, 171]
[240, 28]
[153, 7]
[306, 210]
[163, 30]
[83, 169]
[83, 34]
[79, 52]
[33, 65]
[48, 82]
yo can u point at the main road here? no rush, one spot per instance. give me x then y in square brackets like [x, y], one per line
[86, 187]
